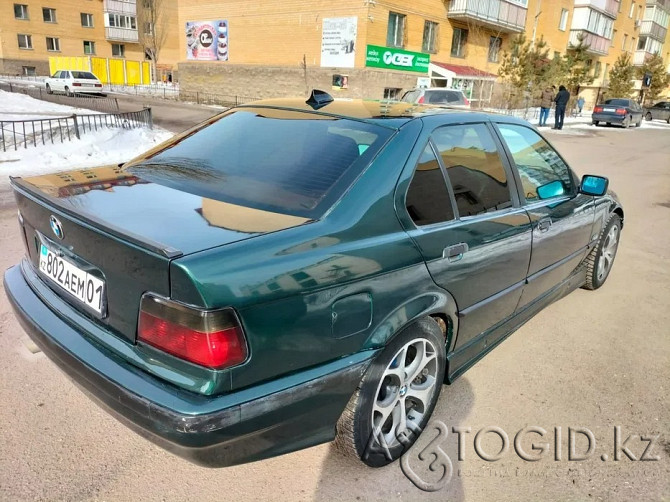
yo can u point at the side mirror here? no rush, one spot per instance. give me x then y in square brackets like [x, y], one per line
[594, 185]
[550, 190]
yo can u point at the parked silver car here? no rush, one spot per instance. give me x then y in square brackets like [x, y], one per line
[660, 111]
[437, 96]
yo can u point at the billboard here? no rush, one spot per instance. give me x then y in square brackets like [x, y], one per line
[207, 40]
[396, 59]
[338, 41]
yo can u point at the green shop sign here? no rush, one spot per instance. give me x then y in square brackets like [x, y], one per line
[396, 59]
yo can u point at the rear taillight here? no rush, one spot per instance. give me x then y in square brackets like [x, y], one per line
[466, 100]
[98, 85]
[213, 339]
[598, 109]
[421, 100]
[76, 84]
[620, 111]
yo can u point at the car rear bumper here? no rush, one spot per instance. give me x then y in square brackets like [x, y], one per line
[287, 414]
[605, 117]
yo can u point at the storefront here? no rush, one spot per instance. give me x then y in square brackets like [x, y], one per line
[477, 85]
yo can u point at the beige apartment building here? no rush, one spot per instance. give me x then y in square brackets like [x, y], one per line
[380, 48]
[31, 31]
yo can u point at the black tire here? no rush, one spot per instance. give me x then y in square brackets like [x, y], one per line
[609, 123]
[68, 92]
[648, 116]
[596, 122]
[593, 279]
[355, 436]
[626, 122]
[638, 123]
[49, 91]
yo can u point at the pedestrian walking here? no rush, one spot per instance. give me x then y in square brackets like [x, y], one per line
[580, 105]
[546, 101]
[561, 101]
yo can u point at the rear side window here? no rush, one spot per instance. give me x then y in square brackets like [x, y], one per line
[411, 96]
[276, 160]
[427, 198]
[474, 168]
[543, 174]
[444, 97]
[83, 74]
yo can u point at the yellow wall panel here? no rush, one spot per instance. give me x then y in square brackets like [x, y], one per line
[133, 73]
[99, 69]
[116, 73]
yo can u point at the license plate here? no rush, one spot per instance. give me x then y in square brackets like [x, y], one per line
[83, 286]
[609, 109]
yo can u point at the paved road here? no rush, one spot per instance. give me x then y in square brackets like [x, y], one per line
[594, 359]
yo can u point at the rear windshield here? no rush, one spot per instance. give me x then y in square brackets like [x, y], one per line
[438, 97]
[617, 102]
[83, 74]
[276, 160]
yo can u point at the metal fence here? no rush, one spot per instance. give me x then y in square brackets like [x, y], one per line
[99, 103]
[174, 93]
[24, 133]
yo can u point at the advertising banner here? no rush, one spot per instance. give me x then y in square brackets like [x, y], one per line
[338, 41]
[396, 59]
[207, 40]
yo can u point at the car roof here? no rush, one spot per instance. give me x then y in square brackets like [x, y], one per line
[381, 112]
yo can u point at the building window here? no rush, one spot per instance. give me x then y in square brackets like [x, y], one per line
[632, 44]
[89, 47]
[53, 44]
[121, 21]
[49, 15]
[20, 11]
[494, 48]
[623, 43]
[458, 41]
[613, 37]
[87, 20]
[430, 37]
[28, 71]
[632, 9]
[597, 70]
[392, 92]
[563, 23]
[148, 28]
[25, 41]
[395, 35]
[118, 50]
[641, 43]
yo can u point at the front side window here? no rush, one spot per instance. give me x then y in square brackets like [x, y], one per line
[89, 47]
[25, 41]
[87, 20]
[474, 168]
[543, 173]
[48, 15]
[458, 41]
[20, 11]
[395, 35]
[430, 37]
[427, 197]
[53, 44]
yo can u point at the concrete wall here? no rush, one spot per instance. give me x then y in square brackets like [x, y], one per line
[15, 66]
[256, 81]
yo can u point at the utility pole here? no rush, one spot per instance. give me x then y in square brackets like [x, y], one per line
[537, 17]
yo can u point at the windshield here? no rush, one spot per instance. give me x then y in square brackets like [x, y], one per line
[83, 74]
[271, 159]
[617, 102]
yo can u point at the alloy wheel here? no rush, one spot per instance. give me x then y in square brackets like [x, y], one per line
[608, 252]
[405, 391]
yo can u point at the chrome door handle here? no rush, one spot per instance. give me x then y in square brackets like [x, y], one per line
[455, 252]
[544, 224]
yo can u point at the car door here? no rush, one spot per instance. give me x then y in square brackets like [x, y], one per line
[53, 81]
[562, 218]
[469, 227]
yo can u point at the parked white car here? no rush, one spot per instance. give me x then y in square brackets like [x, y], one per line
[73, 82]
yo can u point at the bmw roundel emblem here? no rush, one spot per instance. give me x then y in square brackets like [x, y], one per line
[56, 226]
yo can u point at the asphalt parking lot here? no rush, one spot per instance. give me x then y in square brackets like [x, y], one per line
[593, 361]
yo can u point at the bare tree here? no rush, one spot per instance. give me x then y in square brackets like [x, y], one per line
[153, 29]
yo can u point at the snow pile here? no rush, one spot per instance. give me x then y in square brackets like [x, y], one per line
[104, 147]
[16, 106]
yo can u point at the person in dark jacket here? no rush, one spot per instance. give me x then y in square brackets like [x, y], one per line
[561, 101]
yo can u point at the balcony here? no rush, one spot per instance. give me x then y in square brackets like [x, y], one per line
[609, 7]
[121, 7]
[597, 45]
[663, 4]
[121, 35]
[654, 30]
[640, 57]
[499, 15]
